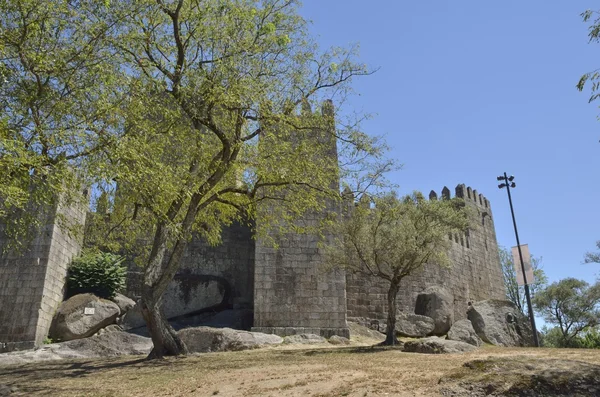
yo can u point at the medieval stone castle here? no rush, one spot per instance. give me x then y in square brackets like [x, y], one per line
[284, 288]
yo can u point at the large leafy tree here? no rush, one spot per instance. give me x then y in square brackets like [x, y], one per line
[185, 114]
[570, 304]
[58, 93]
[396, 238]
[219, 119]
[514, 292]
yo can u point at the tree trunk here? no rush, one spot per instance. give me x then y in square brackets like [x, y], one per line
[390, 333]
[164, 337]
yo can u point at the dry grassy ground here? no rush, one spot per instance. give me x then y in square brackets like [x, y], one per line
[342, 371]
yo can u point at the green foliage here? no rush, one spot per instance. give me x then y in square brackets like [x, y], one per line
[591, 339]
[554, 337]
[514, 292]
[573, 305]
[48, 341]
[397, 236]
[57, 93]
[99, 273]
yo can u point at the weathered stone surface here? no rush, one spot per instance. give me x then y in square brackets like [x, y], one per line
[304, 339]
[437, 303]
[71, 322]
[123, 302]
[500, 323]
[207, 339]
[414, 325]
[463, 331]
[339, 340]
[523, 376]
[184, 296]
[109, 344]
[436, 345]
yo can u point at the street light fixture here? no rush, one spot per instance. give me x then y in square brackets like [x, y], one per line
[508, 185]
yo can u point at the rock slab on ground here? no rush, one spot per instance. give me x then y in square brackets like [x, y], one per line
[463, 331]
[207, 339]
[82, 316]
[500, 323]
[523, 376]
[110, 344]
[436, 345]
[304, 339]
[414, 325]
[437, 303]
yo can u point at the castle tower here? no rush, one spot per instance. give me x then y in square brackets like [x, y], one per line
[292, 292]
[32, 281]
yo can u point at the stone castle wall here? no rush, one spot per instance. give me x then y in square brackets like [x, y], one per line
[475, 273]
[283, 283]
[32, 281]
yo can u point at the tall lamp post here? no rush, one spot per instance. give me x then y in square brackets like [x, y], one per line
[508, 183]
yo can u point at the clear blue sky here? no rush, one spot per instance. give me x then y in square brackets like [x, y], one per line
[469, 89]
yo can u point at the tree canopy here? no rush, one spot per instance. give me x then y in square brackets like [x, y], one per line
[184, 115]
[59, 87]
[573, 305]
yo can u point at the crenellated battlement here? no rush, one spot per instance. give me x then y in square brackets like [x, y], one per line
[466, 193]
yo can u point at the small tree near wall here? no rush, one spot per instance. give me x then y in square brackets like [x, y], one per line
[394, 239]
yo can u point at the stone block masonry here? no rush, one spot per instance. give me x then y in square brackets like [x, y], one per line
[292, 292]
[32, 282]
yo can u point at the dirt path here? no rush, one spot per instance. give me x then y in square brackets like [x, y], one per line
[347, 371]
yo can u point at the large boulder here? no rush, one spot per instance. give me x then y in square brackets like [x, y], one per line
[82, 316]
[437, 303]
[500, 323]
[207, 339]
[463, 331]
[414, 325]
[123, 302]
[436, 345]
